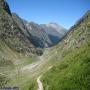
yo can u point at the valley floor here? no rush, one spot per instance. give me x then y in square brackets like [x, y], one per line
[27, 76]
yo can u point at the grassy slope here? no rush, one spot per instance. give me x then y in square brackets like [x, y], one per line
[5, 63]
[10, 61]
[73, 56]
[30, 85]
[72, 73]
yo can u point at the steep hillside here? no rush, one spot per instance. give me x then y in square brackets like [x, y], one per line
[21, 24]
[11, 33]
[72, 73]
[16, 50]
[72, 70]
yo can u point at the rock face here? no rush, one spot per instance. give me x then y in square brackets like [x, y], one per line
[12, 34]
[42, 36]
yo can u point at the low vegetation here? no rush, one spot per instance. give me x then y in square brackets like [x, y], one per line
[30, 85]
[72, 73]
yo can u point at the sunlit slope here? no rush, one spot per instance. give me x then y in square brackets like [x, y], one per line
[73, 55]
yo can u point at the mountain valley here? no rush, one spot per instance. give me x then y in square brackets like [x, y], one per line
[45, 56]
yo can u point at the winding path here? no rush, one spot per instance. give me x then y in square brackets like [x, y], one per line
[40, 85]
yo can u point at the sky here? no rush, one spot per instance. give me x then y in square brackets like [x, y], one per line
[63, 12]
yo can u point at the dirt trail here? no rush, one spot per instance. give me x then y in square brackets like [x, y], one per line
[40, 85]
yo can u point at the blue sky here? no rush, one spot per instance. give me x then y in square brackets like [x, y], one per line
[63, 12]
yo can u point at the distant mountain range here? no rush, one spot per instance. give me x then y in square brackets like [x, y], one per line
[54, 31]
[45, 35]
